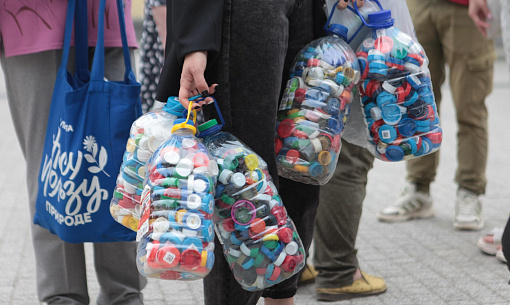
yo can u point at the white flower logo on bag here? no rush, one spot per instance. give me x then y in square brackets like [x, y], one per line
[90, 145]
[61, 178]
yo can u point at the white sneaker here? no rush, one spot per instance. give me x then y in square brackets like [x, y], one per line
[468, 211]
[410, 205]
[500, 256]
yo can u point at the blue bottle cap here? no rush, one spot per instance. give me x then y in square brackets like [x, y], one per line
[338, 30]
[381, 19]
[335, 125]
[207, 231]
[411, 100]
[180, 121]
[394, 153]
[426, 146]
[171, 238]
[387, 133]
[418, 110]
[333, 106]
[384, 98]
[173, 106]
[188, 241]
[391, 114]
[407, 127]
[316, 169]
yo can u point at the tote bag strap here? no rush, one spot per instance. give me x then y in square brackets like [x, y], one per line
[78, 14]
[97, 73]
[81, 49]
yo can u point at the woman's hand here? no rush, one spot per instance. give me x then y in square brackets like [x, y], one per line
[342, 4]
[193, 81]
[479, 12]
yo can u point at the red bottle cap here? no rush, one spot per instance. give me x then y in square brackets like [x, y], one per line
[190, 259]
[285, 128]
[289, 263]
[285, 235]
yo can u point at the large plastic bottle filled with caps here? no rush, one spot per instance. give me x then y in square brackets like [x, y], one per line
[314, 108]
[176, 234]
[399, 107]
[148, 132]
[260, 241]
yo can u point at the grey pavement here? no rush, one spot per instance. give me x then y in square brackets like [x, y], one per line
[422, 261]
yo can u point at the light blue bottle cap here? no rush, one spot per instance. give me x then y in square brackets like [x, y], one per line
[391, 114]
[387, 133]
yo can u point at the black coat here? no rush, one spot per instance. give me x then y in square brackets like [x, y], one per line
[196, 25]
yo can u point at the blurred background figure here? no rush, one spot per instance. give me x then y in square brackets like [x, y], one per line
[152, 50]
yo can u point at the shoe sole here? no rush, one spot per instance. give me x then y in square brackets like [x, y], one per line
[489, 249]
[332, 297]
[467, 226]
[501, 257]
[401, 218]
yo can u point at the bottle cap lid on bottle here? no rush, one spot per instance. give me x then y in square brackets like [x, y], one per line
[184, 124]
[173, 106]
[381, 19]
[208, 128]
[337, 29]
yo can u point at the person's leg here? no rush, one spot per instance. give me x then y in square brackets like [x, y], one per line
[119, 280]
[415, 201]
[336, 228]
[470, 57]
[251, 68]
[60, 266]
[422, 171]
[115, 263]
[338, 218]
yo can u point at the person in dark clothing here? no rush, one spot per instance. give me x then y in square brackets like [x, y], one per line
[242, 51]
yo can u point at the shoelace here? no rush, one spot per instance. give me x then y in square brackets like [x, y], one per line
[469, 206]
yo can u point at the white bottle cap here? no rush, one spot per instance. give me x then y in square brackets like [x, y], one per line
[172, 157]
[238, 180]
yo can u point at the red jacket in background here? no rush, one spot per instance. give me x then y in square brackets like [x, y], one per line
[461, 2]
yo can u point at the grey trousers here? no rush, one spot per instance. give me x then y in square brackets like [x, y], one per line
[338, 218]
[259, 42]
[60, 266]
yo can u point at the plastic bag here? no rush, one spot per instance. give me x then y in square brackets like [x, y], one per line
[315, 107]
[147, 133]
[176, 236]
[396, 91]
[355, 126]
[260, 241]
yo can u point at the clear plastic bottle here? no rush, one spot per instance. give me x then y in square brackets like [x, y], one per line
[396, 92]
[148, 132]
[176, 235]
[314, 108]
[260, 241]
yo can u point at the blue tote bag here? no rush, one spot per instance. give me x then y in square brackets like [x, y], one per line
[88, 127]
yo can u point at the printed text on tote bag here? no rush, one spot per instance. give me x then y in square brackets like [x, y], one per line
[68, 165]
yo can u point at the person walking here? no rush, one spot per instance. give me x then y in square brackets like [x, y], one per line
[450, 38]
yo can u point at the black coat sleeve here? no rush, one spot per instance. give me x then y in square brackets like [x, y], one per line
[192, 25]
